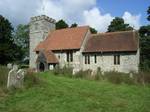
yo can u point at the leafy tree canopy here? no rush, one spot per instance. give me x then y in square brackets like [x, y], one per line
[21, 39]
[118, 24]
[148, 13]
[93, 30]
[144, 33]
[74, 25]
[7, 47]
[21, 36]
[145, 47]
[61, 24]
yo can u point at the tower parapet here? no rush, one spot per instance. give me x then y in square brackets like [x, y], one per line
[43, 17]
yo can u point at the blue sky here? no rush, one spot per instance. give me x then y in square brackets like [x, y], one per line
[118, 7]
[96, 13]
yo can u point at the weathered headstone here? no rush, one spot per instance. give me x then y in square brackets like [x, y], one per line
[11, 77]
[20, 78]
[9, 66]
[15, 67]
[131, 75]
[15, 77]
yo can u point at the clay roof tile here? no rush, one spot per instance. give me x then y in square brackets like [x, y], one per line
[69, 38]
[112, 42]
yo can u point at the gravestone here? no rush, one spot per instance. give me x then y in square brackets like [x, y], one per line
[15, 77]
[131, 75]
[20, 78]
[9, 66]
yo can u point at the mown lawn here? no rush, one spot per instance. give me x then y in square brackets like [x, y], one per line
[61, 94]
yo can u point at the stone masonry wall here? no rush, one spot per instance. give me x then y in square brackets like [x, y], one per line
[128, 62]
[77, 57]
[40, 26]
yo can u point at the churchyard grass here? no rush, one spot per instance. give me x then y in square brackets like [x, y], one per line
[64, 94]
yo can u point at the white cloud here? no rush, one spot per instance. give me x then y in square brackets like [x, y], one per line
[18, 11]
[51, 8]
[95, 19]
[83, 12]
[70, 10]
[132, 20]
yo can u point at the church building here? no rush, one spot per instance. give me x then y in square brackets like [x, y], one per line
[78, 48]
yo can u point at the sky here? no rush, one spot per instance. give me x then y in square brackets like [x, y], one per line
[96, 13]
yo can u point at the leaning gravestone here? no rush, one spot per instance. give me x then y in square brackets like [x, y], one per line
[19, 78]
[15, 77]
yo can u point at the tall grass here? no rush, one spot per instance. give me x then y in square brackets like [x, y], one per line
[111, 76]
[84, 74]
[118, 77]
[31, 79]
[65, 71]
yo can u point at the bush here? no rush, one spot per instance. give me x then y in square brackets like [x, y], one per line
[83, 74]
[146, 76]
[143, 77]
[65, 71]
[118, 77]
[145, 65]
[112, 76]
[3, 75]
[31, 79]
[99, 75]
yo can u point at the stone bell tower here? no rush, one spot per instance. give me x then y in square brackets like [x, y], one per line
[40, 26]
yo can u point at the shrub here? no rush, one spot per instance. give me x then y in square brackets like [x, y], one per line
[145, 65]
[3, 75]
[118, 77]
[83, 74]
[57, 70]
[31, 79]
[146, 76]
[65, 71]
[99, 75]
[143, 77]
[112, 76]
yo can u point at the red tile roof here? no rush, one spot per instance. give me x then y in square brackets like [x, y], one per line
[111, 42]
[69, 38]
[50, 56]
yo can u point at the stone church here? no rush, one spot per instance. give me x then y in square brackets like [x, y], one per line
[78, 48]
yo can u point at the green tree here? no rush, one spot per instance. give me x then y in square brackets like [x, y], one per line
[144, 32]
[7, 47]
[21, 38]
[61, 24]
[74, 25]
[148, 13]
[145, 47]
[93, 30]
[118, 24]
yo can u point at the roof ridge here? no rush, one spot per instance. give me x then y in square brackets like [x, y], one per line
[72, 28]
[117, 32]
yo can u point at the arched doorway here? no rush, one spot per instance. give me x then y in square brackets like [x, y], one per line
[41, 67]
